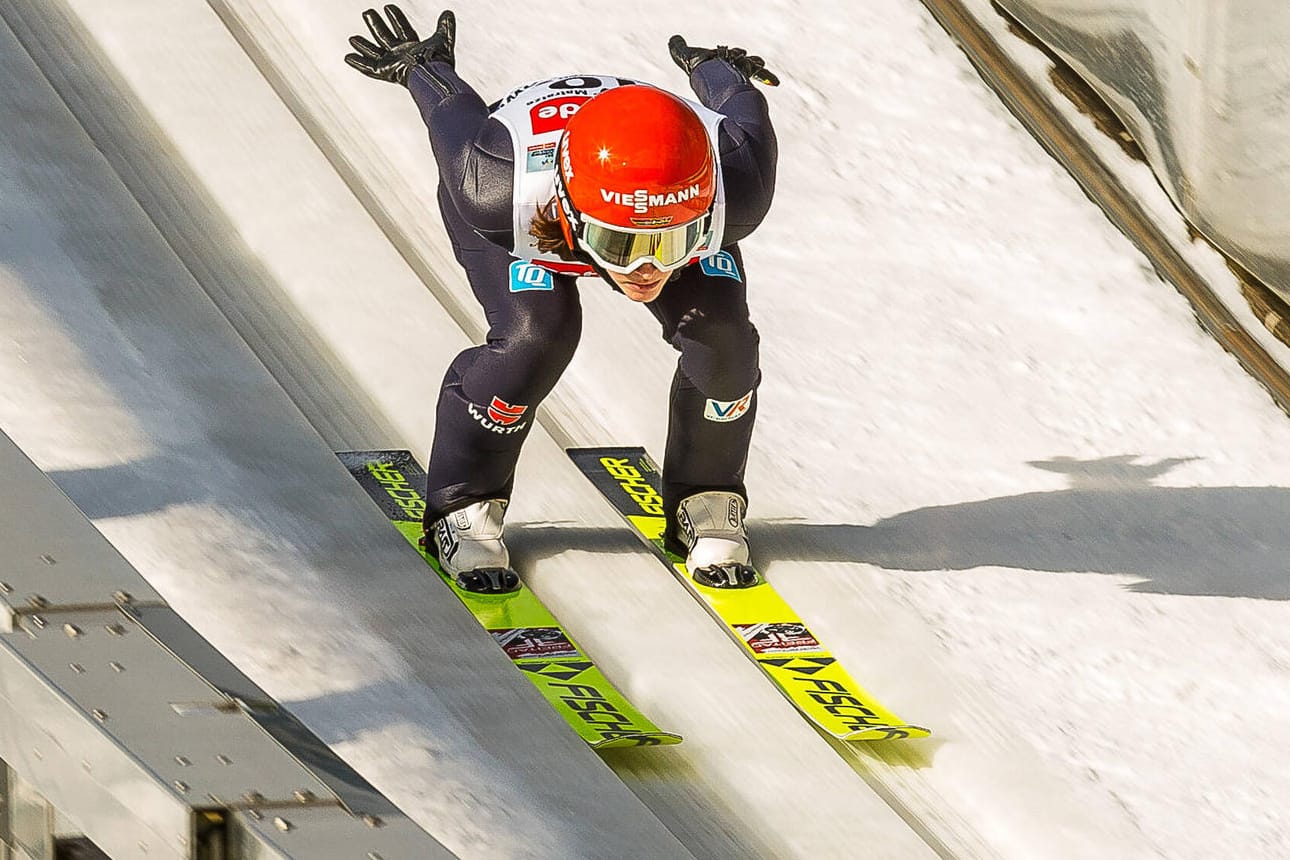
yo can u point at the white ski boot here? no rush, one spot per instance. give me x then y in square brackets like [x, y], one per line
[468, 546]
[711, 526]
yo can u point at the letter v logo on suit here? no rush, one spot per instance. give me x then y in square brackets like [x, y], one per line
[716, 410]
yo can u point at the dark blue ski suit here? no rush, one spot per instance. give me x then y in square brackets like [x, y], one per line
[532, 334]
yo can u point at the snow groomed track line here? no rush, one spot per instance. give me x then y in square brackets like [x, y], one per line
[1036, 112]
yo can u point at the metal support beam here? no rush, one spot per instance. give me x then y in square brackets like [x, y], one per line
[137, 730]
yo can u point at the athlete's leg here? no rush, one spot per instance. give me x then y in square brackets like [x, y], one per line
[491, 391]
[713, 405]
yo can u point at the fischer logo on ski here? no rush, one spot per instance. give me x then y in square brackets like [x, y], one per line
[594, 709]
[839, 701]
[634, 484]
[757, 618]
[525, 629]
[397, 488]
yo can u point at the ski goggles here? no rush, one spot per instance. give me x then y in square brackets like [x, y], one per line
[624, 251]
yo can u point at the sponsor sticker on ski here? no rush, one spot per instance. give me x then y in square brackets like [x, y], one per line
[521, 643]
[799, 665]
[774, 638]
[525, 630]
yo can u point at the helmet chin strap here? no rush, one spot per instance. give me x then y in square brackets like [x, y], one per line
[568, 214]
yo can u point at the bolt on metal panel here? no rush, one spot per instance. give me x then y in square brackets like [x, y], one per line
[51, 558]
[67, 757]
[313, 833]
[138, 730]
[355, 793]
[192, 737]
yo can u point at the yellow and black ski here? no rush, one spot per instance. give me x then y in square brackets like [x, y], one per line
[525, 629]
[763, 624]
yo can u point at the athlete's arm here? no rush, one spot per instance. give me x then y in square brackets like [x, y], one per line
[474, 154]
[747, 145]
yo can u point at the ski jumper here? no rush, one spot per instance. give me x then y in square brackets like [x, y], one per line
[496, 166]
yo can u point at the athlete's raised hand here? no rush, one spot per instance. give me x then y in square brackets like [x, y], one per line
[752, 67]
[397, 47]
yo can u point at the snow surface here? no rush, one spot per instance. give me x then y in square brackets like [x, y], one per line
[998, 467]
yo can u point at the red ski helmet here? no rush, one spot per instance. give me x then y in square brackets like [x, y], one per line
[636, 179]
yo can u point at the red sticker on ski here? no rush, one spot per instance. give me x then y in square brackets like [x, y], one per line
[523, 642]
[781, 638]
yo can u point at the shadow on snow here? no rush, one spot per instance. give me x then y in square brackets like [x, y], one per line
[1217, 541]
[1220, 541]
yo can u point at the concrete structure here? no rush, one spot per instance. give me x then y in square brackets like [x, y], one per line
[1204, 87]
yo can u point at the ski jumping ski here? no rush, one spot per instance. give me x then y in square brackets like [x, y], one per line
[767, 628]
[525, 629]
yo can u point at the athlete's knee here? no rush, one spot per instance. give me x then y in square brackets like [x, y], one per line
[542, 339]
[721, 357]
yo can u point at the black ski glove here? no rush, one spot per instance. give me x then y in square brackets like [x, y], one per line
[398, 48]
[751, 67]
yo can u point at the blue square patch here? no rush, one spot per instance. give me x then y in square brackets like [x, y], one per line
[528, 276]
[722, 265]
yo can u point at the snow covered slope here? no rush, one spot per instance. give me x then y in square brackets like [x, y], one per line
[998, 468]
[124, 382]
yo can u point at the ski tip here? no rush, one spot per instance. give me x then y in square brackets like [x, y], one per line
[637, 739]
[884, 733]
